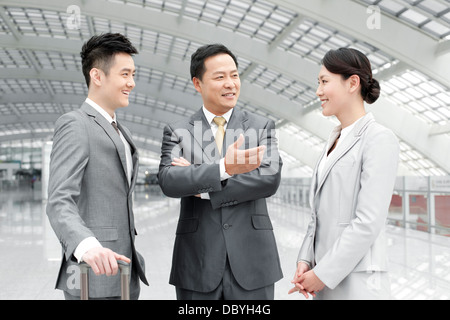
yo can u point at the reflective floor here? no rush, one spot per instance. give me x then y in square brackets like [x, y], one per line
[419, 261]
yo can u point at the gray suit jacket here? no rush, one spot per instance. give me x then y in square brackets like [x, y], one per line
[235, 222]
[350, 204]
[88, 195]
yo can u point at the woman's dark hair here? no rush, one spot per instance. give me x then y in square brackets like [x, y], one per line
[98, 52]
[348, 62]
[198, 58]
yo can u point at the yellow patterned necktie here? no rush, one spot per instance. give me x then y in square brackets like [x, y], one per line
[220, 121]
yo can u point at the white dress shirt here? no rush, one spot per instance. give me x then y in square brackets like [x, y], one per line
[333, 136]
[92, 242]
[210, 118]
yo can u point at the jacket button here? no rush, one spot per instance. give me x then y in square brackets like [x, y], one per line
[226, 226]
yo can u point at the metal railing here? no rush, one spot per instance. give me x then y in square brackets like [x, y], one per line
[421, 203]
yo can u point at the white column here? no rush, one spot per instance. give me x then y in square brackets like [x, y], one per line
[46, 150]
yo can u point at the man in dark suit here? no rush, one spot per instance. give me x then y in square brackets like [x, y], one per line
[225, 247]
[93, 170]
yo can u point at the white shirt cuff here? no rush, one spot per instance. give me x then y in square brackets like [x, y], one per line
[205, 196]
[223, 176]
[84, 246]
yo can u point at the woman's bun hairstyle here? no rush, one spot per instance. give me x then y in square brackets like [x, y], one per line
[348, 62]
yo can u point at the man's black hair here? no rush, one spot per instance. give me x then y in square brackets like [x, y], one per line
[99, 51]
[198, 58]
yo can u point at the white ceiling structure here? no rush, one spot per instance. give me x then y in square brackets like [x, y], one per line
[279, 44]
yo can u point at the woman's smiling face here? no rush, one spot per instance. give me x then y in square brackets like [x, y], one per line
[332, 92]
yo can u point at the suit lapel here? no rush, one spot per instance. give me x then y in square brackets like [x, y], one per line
[237, 125]
[204, 137]
[342, 148]
[314, 180]
[134, 153]
[200, 130]
[108, 128]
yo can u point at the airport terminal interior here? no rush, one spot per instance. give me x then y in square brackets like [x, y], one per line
[279, 45]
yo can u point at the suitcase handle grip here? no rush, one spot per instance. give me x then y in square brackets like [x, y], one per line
[123, 267]
[124, 275]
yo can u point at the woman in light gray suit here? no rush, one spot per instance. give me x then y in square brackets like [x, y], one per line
[343, 255]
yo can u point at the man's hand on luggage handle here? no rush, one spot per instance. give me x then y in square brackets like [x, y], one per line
[103, 260]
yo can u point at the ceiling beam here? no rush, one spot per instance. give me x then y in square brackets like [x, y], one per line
[290, 65]
[419, 54]
[443, 48]
[438, 129]
[286, 32]
[255, 95]
[401, 41]
[311, 122]
[413, 131]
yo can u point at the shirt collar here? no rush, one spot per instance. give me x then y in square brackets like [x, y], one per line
[347, 130]
[341, 133]
[101, 111]
[210, 116]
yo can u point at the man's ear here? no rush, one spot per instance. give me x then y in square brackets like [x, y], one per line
[197, 84]
[96, 76]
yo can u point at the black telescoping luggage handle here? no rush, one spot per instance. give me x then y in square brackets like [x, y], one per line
[124, 283]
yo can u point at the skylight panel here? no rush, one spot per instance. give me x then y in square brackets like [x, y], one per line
[387, 88]
[5, 110]
[436, 28]
[274, 28]
[429, 101]
[281, 18]
[446, 17]
[320, 33]
[433, 6]
[213, 7]
[239, 4]
[444, 97]
[414, 93]
[445, 111]
[391, 6]
[412, 77]
[398, 83]
[414, 17]
[428, 88]
[259, 11]
[400, 96]
[376, 60]
[417, 106]
[172, 7]
[252, 20]
[339, 41]
[432, 116]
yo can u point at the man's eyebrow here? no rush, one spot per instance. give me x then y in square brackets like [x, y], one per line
[219, 72]
[128, 69]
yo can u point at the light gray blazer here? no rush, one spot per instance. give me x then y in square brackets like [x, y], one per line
[88, 195]
[235, 223]
[349, 205]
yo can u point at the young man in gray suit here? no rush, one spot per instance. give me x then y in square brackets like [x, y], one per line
[225, 247]
[93, 169]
